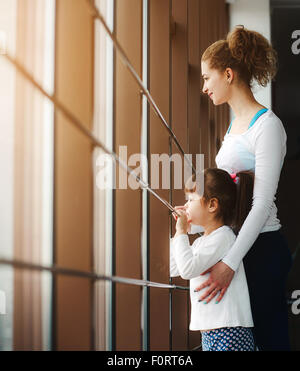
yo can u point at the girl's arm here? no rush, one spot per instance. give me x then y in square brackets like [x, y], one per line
[270, 149]
[181, 229]
[192, 265]
[174, 272]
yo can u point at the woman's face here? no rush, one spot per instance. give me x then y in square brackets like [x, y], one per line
[216, 83]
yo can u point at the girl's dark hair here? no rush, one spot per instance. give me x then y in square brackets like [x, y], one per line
[247, 52]
[235, 199]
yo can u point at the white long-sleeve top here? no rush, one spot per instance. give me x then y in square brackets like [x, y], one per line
[261, 149]
[190, 261]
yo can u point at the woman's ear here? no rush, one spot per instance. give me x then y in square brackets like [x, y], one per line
[213, 205]
[229, 75]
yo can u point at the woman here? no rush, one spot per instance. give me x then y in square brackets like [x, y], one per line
[255, 141]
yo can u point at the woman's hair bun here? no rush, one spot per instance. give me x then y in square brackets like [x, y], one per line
[240, 42]
[247, 52]
[253, 53]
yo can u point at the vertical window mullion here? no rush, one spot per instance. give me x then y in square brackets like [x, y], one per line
[110, 217]
[145, 196]
[171, 184]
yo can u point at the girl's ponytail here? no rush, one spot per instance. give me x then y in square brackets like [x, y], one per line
[245, 183]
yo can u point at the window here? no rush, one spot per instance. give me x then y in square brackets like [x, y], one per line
[27, 170]
[82, 267]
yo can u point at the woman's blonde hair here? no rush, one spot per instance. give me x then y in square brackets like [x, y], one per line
[247, 52]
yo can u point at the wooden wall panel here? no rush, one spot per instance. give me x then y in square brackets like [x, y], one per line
[214, 23]
[194, 88]
[159, 64]
[179, 96]
[74, 314]
[73, 171]
[196, 123]
[73, 166]
[128, 15]
[194, 77]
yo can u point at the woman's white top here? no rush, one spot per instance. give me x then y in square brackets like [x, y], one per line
[261, 149]
[190, 261]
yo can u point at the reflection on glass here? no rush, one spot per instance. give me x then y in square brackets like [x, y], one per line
[103, 199]
[26, 125]
[26, 324]
[6, 304]
[102, 314]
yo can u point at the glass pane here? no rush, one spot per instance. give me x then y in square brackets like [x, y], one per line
[102, 313]
[73, 313]
[6, 308]
[26, 125]
[128, 303]
[26, 324]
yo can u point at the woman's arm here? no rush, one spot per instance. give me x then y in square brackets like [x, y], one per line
[270, 149]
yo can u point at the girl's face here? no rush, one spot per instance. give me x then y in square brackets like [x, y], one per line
[196, 209]
[216, 84]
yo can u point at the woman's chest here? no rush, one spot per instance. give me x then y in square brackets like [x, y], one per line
[239, 126]
[236, 154]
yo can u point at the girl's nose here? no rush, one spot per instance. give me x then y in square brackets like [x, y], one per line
[204, 89]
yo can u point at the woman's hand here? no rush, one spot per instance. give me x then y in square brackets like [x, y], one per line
[219, 280]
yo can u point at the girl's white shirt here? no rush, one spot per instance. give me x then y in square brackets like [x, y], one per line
[190, 261]
[261, 149]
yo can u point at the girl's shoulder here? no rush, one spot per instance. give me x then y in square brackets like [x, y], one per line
[225, 232]
[221, 235]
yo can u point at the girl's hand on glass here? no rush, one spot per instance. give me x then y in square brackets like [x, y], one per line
[218, 281]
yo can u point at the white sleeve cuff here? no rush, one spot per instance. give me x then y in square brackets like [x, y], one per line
[230, 264]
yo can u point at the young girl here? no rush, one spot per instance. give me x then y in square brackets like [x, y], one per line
[225, 326]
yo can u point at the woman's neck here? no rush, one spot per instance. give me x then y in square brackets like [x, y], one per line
[243, 103]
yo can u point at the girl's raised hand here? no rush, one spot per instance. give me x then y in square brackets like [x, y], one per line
[181, 209]
[182, 224]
